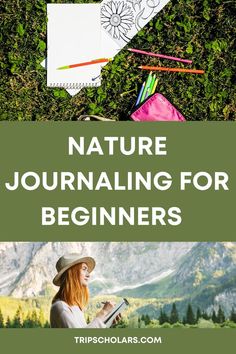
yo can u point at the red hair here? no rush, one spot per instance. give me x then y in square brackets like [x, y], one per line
[71, 290]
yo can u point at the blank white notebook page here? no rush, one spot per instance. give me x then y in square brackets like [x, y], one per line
[74, 36]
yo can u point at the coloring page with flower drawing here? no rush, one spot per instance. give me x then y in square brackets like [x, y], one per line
[122, 20]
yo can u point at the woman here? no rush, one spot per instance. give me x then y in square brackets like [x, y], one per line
[68, 304]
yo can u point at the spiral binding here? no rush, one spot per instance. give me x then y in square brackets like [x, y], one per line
[74, 86]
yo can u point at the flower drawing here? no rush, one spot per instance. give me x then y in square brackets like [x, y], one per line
[153, 3]
[135, 2]
[117, 18]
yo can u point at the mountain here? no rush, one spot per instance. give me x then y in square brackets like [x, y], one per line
[203, 273]
[27, 268]
[205, 277]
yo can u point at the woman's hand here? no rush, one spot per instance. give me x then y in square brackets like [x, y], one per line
[107, 308]
[117, 319]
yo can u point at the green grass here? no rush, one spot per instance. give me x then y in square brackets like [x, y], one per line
[9, 305]
[202, 30]
[137, 308]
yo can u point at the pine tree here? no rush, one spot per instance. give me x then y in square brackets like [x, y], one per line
[174, 316]
[205, 316]
[139, 322]
[27, 323]
[199, 314]
[16, 323]
[160, 318]
[34, 319]
[47, 324]
[214, 317]
[163, 318]
[8, 322]
[1, 320]
[147, 320]
[220, 315]
[190, 318]
[233, 315]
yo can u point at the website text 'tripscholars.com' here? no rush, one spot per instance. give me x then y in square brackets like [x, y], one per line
[117, 340]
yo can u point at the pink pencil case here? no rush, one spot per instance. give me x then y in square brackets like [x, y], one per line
[157, 108]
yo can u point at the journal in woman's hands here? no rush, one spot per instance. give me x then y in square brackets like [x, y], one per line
[115, 312]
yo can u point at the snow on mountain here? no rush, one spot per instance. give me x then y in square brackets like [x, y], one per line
[27, 269]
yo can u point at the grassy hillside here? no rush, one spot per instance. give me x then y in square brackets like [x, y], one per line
[141, 313]
[200, 30]
[9, 305]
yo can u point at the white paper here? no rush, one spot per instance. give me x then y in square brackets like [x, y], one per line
[109, 49]
[74, 36]
[115, 312]
[122, 20]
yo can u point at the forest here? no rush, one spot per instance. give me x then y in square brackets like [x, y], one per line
[200, 319]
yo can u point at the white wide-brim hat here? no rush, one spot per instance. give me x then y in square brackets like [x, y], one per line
[69, 260]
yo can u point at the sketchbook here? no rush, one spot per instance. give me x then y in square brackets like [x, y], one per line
[109, 49]
[73, 36]
[119, 22]
[115, 312]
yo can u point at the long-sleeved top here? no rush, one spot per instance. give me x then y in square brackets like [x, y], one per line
[64, 316]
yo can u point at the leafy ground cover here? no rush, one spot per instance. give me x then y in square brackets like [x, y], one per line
[201, 30]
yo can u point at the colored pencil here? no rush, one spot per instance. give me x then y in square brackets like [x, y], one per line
[178, 70]
[147, 94]
[160, 56]
[154, 87]
[140, 94]
[149, 79]
[96, 61]
[152, 84]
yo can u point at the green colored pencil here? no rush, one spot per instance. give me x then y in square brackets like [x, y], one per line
[152, 83]
[154, 86]
[149, 79]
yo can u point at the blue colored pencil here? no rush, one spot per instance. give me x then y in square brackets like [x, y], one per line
[140, 94]
[147, 93]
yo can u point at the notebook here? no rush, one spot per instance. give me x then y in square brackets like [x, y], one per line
[109, 49]
[74, 36]
[115, 312]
